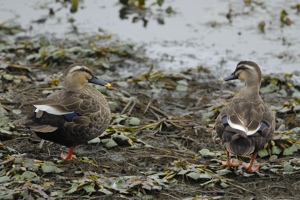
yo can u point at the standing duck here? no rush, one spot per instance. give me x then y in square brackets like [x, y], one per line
[72, 116]
[246, 124]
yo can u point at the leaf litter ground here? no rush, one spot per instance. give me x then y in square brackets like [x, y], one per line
[160, 144]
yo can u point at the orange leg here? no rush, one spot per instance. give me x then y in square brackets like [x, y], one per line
[252, 167]
[231, 162]
[227, 162]
[69, 156]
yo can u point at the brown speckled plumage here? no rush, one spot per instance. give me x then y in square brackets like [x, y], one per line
[74, 115]
[245, 124]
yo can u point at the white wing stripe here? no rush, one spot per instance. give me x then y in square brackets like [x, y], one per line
[49, 109]
[242, 128]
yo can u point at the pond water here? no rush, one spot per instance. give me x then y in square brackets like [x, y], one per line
[197, 33]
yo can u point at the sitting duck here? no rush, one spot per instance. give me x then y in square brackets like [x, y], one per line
[72, 116]
[245, 124]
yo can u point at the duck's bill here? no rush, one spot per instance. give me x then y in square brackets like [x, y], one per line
[109, 87]
[231, 77]
[98, 81]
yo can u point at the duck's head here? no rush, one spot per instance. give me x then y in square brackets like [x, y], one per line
[246, 71]
[78, 75]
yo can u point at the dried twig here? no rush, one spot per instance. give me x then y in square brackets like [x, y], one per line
[159, 111]
[171, 196]
[148, 105]
[156, 115]
[5, 107]
[240, 187]
[127, 106]
[133, 105]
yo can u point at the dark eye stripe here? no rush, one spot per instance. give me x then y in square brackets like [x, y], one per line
[242, 67]
[84, 70]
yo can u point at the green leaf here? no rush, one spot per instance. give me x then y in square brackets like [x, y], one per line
[18, 160]
[6, 196]
[160, 2]
[181, 88]
[273, 158]
[206, 152]
[104, 141]
[160, 84]
[274, 170]
[58, 170]
[48, 168]
[120, 119]
[263, 153]
[297, 146]
[3, 112]
[290, 150]
[194, 175]
[4, 179]
[112, 106]
[269, 89]
[125, 2]
[28, 175]
[224, 185]
[8, 77]
[276, 150]
[223, 172]
[3, 120]
[157, 187]
[105, 191]
[134, 121]
[122, 84]
[288, 168]
[205, 175]
[111, 144]
[147, 187]
[101, 88]
[57, 193]
[169, 10]
[89, 188]
[183, 82]
[94, 141]
[17, 81]
[72, 190]
[182, 172]
[122, 137]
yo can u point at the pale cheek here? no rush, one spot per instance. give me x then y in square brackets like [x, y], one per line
[242, 77]
[82, 80]
[88, 77]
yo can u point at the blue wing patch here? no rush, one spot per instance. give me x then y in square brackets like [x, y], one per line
[263, 126]
[225, 121]
[69, 117]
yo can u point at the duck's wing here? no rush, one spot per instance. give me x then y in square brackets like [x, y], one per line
[246, 116]
[62, 103]
[269, 119]
[240, 119]
[59, 108]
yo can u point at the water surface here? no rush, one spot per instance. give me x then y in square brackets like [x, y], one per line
[199, 33]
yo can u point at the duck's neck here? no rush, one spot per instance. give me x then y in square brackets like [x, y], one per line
[250, 91]
[75, 87]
